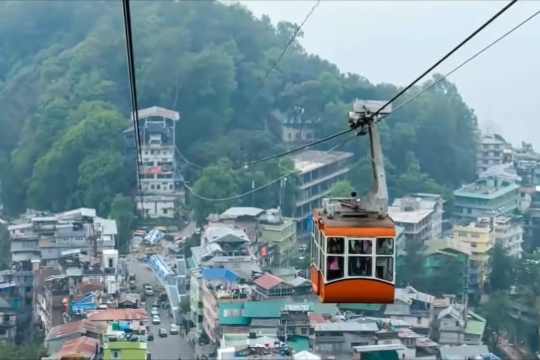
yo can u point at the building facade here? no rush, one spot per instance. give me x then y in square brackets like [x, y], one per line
[478, 237]
[493, 150]
[490, 196]
[317, 172]
[419, 216]
[161, 181]
[509, 233]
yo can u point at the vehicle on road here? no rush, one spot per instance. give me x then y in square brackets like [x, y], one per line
[150, 337]
[155, 312]
[156, 320]
[174, 329]
[148, 290]
[162, 332]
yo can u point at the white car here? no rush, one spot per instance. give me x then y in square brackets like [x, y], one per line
[155, 312]
[156, 320]
[174, 329]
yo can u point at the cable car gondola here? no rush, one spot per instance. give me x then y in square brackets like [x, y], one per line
[353, 242]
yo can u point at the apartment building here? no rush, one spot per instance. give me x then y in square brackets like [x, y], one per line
[317, 172]
[493, 150]
[419, 216]
[509, 233]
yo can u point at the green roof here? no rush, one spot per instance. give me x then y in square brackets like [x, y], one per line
[231, 314]
[324, 308]
[475, 324]
[263, 309]
[298, 343]
[360, 307]
[381, 355]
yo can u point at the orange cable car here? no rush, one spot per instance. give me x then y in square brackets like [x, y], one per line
[353, 242]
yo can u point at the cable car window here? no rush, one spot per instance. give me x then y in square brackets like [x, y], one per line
[385, 246]
[385, 268]
[335, 245]
[360, 247]
[334, 266]
[360, 265]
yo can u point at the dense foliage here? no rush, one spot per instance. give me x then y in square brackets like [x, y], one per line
[64, 99]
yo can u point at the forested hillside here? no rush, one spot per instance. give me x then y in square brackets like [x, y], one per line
[64, 99]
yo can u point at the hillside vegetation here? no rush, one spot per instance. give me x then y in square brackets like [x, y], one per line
[64, 99]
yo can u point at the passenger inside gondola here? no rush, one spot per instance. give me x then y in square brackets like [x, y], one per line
[335, 263]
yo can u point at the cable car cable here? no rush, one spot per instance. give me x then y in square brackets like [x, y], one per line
[133, 92]
[462, 64]
[262, 187]
[441, 60]
[394, 98]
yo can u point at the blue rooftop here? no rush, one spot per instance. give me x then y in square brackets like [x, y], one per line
[222, 274]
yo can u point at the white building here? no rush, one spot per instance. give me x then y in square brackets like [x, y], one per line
[493, 150]
[161, 181]
[317, 171]
[420, 216]
[509, 234]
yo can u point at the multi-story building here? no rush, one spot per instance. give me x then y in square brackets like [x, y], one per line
[8, 321]
[493, 150]
[527, 164]
[478, 236]
[532, 221]
[161, 181]
[317, 172]
[295, 127]
[509, 233]
[486, 197]
[420, 217]
[278, 233]
[47, 238]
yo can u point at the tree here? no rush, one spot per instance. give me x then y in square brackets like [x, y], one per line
[496, 312]
[410, 266]
[501, 265]
[216, 181]
[123, 211]
[341, 188]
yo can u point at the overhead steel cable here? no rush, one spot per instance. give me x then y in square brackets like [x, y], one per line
[262, 187]
[441, 60]
[462, 64]
[290, 42]
[394, 98]
[133, 92]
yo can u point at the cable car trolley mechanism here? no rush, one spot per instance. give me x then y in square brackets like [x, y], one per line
[353, 247]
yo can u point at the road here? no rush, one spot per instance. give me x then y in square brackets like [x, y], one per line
[171, 347]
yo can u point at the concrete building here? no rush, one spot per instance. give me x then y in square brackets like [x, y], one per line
[509, 233]
[278, 233]
[478, 237]
[8, 322]
[420, 217]
[161, 181]
[527, 164]
[48, 238]
[532, 221]
[486, 197]
[295, 127]
[317, 172]
[493, 150]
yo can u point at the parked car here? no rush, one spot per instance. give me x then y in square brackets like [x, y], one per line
[148, 290]
[174, 329]
[156, 320]
[162, 332]
[155, 312]
[150, 337]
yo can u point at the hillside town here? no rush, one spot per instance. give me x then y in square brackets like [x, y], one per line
[237, 285]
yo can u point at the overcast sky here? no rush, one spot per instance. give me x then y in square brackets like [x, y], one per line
[394, 41]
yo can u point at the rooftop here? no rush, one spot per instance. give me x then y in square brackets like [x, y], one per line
[221, 274]
[157, 111]
[83, 347]
[268, 281]
[264, 309]
[475, 324]
[118, 314]
[231, 314]
[310, 160]
[486, 188]
[461, 352]
[236, 212]
[411, 210]
[347, 326]
[74, 328]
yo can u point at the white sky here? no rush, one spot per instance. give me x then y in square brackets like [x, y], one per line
[394, 41]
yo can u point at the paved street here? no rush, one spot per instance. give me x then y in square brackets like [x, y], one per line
[172, 347]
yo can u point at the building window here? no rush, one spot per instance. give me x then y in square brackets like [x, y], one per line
[164, 211]
[116, 354]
